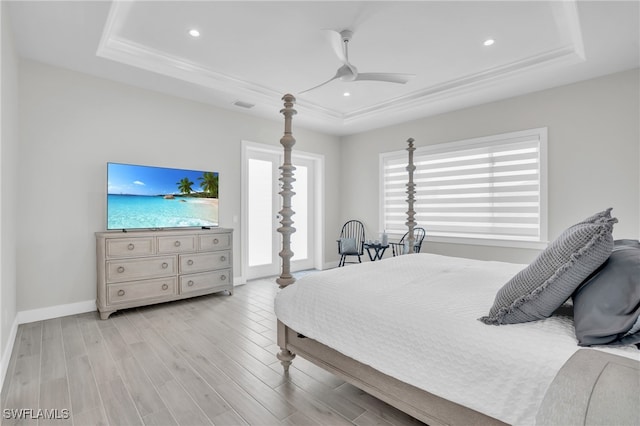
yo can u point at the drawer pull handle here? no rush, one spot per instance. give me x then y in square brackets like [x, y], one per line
[215, 241]
[190, 283]
[120, 270]
[177, 244]
[223, 258]
[120, 292]
[223, 277]
[165, 265]
[189, 262]
[131, 246]
[165, 286]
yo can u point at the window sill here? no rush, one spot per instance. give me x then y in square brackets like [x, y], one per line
[536, 245]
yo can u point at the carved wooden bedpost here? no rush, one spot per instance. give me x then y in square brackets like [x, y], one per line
[411, 190]
[287, 179]
[285, 356]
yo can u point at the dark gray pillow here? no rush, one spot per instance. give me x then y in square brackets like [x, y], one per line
[544, 285]
[607, 304]
[348, 246]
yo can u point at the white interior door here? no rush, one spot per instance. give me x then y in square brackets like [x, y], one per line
[262, 204]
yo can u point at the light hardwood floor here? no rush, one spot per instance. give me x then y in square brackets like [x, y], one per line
[208, 360]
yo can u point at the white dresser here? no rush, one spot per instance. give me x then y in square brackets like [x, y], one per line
[138, 268]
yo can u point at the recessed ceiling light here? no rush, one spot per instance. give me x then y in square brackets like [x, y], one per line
[194, 33]
[489, 42]
[346, 94]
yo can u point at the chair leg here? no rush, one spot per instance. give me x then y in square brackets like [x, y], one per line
[359, 260]
[341, 263]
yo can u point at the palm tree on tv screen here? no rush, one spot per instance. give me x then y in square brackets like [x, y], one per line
[210, 183]
[185, 186]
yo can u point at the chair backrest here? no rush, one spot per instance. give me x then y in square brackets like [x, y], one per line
[418, 235]
[354, 229]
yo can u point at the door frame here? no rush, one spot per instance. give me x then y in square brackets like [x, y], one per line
[318, 201]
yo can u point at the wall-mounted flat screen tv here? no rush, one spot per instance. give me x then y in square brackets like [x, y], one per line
[147, 197]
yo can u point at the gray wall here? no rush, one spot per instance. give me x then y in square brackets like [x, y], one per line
[9, 200]
[593, 155]
[72, 124]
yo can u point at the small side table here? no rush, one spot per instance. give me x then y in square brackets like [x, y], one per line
[378, 250]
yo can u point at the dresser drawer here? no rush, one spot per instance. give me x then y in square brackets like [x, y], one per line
[128, 247]
[141, 290]
[203, 281]
[177, 244]
[214, 242]
[199, 262]
[136, 269]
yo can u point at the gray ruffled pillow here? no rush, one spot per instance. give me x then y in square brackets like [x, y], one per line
[603, 215]
[544, 285]
[606, 306]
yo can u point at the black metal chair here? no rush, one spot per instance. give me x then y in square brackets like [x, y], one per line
[418, 235]
[351, 241]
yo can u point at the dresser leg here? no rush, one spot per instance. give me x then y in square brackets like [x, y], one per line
[105, 314]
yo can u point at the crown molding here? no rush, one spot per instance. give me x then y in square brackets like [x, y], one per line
[125, 51]
[467, 84]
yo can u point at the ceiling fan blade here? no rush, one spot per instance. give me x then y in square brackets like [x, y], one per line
[387, 77]
[343, 71]
[321, 84]
[335, 39]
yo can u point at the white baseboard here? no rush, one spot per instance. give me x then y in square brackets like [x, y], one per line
[33, 315]
[330, 265]
[57, 311]
[6, 355]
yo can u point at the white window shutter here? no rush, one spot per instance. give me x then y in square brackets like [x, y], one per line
[489, 188]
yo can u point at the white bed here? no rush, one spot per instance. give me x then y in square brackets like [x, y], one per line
[415, 318]
[406, 329]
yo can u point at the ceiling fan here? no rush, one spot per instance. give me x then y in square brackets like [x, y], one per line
[347, 72]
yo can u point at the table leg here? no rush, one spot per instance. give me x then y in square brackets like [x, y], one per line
[369, 253]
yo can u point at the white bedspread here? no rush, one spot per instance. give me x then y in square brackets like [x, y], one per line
[415, 317]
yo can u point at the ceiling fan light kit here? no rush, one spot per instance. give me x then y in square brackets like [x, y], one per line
[348, 72]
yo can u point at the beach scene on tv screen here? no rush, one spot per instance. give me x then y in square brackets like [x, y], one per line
[157, 197]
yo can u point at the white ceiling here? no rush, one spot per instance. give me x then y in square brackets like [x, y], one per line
[255, 52]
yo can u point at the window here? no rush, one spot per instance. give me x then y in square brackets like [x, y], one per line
[489, 190]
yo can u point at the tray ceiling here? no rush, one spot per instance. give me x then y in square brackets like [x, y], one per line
[251, 53]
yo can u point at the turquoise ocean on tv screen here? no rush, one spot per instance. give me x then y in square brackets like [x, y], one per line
[139, 211]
